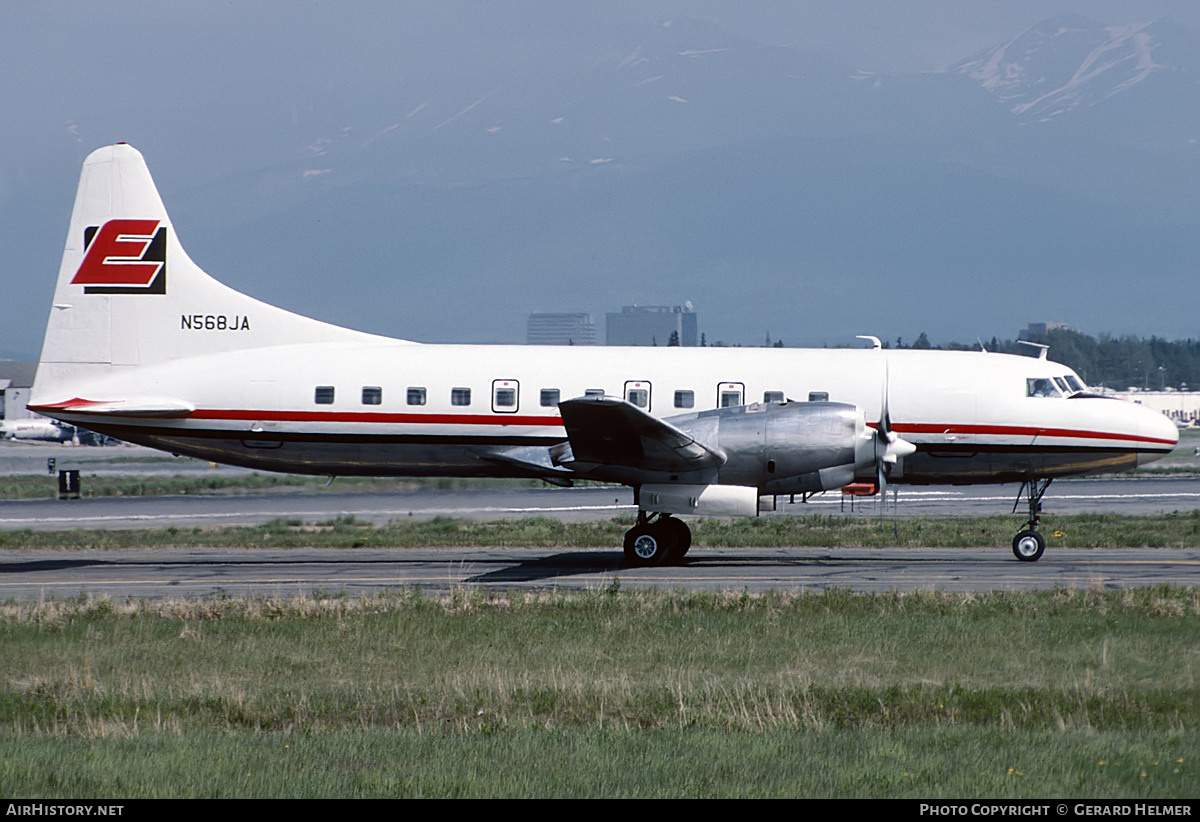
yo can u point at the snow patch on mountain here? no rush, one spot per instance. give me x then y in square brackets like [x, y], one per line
[1064, 63]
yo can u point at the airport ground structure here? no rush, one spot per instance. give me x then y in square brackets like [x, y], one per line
[1181, 406]
[15, 381]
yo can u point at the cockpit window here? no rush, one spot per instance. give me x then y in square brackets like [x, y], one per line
[1062, 385]
[1075, 384]
[1041, 387]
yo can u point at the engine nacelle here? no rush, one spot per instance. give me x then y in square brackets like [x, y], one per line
[704, 500]
[784, 448]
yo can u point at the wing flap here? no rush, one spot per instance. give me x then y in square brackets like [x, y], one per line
[533, 460]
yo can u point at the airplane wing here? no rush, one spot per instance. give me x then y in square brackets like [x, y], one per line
[612, 433]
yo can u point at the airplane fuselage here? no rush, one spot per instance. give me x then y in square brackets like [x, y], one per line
[447, 410]
[45, 430]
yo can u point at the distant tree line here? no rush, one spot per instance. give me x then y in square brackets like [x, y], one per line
[1120, 363]
[1114, 362]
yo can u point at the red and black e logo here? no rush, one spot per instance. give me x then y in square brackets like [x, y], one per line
[124, 257]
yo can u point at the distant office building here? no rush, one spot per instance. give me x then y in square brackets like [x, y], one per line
[652, 325]
[545, 328]
[1042, 329]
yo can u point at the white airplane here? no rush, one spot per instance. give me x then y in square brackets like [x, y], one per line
[144, 346]
[31, 429]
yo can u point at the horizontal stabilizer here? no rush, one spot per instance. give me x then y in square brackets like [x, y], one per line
[142, 407]
[608, 431]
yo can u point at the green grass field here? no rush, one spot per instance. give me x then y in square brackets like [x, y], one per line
[605, 693]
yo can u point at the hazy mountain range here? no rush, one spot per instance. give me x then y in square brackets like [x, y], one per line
[1051, 177]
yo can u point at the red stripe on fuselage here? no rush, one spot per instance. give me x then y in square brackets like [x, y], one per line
[375, 416]
[1023, 431]
[78, 406]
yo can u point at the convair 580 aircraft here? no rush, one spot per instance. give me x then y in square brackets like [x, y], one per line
[144, 346]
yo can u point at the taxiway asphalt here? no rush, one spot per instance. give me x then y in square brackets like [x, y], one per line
[196, 573]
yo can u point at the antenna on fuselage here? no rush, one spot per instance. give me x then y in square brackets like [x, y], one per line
[1044, 348]
[875, 343]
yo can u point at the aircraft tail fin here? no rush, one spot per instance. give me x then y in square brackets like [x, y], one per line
[128, 295]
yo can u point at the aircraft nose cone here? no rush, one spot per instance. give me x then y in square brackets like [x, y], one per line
[1160, 435]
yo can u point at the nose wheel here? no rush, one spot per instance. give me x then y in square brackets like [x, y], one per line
[657, 539]
[1029, 545]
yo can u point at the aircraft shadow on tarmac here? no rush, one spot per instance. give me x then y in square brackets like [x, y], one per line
[37, 565]
[548, 567]
[576, 563]
[573, 563]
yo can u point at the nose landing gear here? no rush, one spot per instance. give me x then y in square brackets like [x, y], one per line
[1029, 545]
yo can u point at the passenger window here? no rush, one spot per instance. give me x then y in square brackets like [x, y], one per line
[416, 395]
[460, 396]
[1040, 387]
[638, 393]
[685, 399]
[372, 395]
[504, 395]
[772, 396]
[323, 395]
[549, 398]
[818, 396]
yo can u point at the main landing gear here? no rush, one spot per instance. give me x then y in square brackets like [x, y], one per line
[657, 539]
[1029, 545]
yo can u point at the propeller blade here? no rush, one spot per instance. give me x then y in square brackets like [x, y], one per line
[893, 445]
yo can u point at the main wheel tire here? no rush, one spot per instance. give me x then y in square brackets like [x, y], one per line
[1028, 546]
[647, 545]
[680, 533]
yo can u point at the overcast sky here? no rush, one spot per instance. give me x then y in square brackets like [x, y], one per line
[220, 65]
[920, 35]
[204, 88]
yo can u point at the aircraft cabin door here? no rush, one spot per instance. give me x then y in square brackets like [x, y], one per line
[504, 396]
[638, 393]
[730, 394]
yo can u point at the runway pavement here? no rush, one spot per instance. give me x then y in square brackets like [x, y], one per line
[275, 572]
